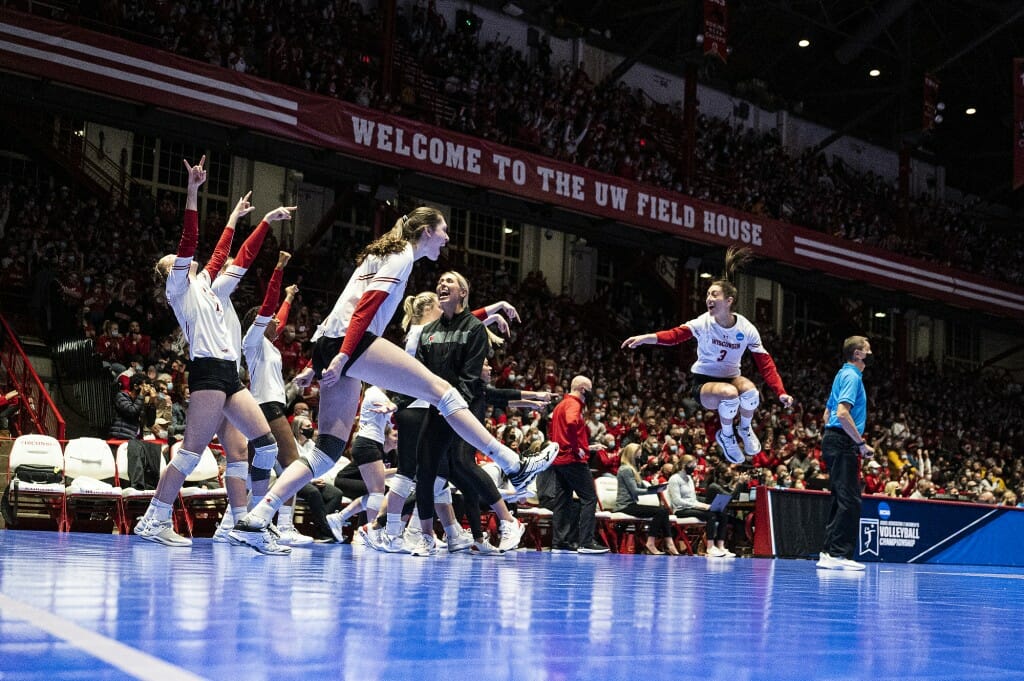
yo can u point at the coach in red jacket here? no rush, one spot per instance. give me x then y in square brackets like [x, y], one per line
[572, 474]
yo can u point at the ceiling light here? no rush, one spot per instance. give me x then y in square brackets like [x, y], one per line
[804, 42]
[874, 73]
[706, 275]
[880, 315]
[971, 111]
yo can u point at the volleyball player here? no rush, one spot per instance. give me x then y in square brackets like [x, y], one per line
[216, 391]
[349, 349]
[722, 336]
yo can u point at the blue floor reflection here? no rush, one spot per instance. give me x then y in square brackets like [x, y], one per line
[223, 612]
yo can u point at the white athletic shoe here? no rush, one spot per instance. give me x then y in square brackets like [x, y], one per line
[485, 548]
[531, 466]
[729, 447]
[751, 445]
[459, 542]
[716, 552]
[511, 535]
[289, 536]
[337, 526]
[161, 532]
[388, 544]
[222, 535]
[426, 545]
[827, 562]
[259, 538]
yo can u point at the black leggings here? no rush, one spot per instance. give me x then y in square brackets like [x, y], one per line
[658, 515]
[717, 525]
[470, 479]
[439, 444]
[410, 424]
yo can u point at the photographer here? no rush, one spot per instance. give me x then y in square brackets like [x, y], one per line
[133, 406]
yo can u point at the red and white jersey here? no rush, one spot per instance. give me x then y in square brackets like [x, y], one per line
[389, 274]
[720, 350]
[265, 380]
[224, 285]
[200, 313]
[372, 424]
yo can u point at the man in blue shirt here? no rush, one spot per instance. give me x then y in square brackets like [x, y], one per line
[842, 445]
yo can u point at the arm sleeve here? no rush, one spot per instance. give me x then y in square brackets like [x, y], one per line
[674, 336]
[177, 278]
[628, 480]
[368, 305]
[283, 312]
[270, 298]
[220, 252]
[252, 245]
[766, 365]
[574, 422]
[500, 397]
[480, 313]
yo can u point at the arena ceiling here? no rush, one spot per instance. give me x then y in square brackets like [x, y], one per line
[967, 44]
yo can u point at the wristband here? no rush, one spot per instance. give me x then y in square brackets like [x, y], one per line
[861, 443]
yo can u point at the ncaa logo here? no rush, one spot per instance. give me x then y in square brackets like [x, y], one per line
[884, 511]
[868, 542]
[740, 336]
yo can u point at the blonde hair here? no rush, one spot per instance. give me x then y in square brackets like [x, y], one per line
[414, 307]
[626, 458]
[463, 284]
[409, 227]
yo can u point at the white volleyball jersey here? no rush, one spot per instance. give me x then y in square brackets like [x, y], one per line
[200, 313]
[720, 350]
[266, 382]
[371, 423]
[224, 285]
[389, 274]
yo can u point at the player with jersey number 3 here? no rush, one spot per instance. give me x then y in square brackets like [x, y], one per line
[722, 336]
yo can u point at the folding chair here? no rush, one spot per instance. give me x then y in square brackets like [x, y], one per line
[615, 529]
[692, 532]
[535, 517]
[135, 501]
[36, 483]
[92, 502]
[201, 505]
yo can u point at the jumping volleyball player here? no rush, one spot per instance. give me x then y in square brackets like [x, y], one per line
[348, 348]
[722, 336]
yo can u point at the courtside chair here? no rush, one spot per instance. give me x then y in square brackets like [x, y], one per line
[92, 502]
[36, 477]
[203, 498]
[134, 501]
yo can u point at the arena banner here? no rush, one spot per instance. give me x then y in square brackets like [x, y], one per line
[125, 70]
[790, 523]
[716, 29]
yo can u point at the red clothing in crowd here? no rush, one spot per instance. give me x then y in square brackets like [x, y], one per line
[569, 429]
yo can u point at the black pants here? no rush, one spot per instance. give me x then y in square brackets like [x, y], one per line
[574, 477]
[476, 485]
[841, 458]
[438, 448]
[410, 424]
[321, 501]
[717, 522]
[657, 514]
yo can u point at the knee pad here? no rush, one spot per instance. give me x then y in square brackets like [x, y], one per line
[374, 500]
[264, 457]
[402, 486]
[237, 469]
[325, 454]
[185, 461]
[442, 491]
[750, 399]
[451, 402]
[727, 408]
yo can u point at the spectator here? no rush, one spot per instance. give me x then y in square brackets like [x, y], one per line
[133, 409]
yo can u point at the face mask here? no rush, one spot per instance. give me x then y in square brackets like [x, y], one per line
[307, 432]
[161, 434]
[673, 449]
[691, 467]
[170, 387]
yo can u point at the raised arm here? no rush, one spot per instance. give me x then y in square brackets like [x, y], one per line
[672, 336]
[177, 277]
[223, 248]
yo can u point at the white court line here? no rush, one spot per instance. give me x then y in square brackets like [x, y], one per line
[134, 662]
[971, 574]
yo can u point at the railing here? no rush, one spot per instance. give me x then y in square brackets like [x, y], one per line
[38, 412]
[80, 370]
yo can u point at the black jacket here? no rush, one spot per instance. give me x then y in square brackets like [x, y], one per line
[455, 350]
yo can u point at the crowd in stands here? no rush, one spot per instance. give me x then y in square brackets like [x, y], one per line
[938, 430]
[496, 90]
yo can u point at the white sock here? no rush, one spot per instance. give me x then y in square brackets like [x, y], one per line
[507, 459]
[452, 531]
[267, 508]
[284, 516]
[745, 420]
[395, 525]
[159, 510]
